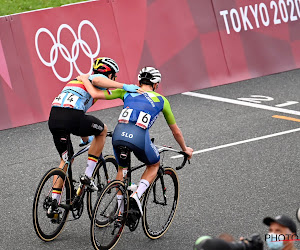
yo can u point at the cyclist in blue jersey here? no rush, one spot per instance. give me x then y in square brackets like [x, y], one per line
[139, 112]
[68, 116]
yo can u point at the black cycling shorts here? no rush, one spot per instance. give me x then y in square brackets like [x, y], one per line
[64, 121]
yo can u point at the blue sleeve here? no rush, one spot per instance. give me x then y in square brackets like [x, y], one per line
[91, 77]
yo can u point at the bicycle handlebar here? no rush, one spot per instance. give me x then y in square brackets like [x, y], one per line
[185, 158]
[185, 155]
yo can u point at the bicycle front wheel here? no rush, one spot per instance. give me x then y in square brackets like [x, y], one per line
[46, 228]
[102, 176]
[107, 224]
[160, 203]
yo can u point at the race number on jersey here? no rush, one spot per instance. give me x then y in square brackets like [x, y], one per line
[58, 100]
[143, 120]
[70, 100]
[125, 115]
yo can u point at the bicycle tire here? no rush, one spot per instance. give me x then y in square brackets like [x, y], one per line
[154, 209]
[106, 236]
[101, 180]
[44, 228]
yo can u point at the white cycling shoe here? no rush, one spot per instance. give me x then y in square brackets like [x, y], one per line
[89, 182]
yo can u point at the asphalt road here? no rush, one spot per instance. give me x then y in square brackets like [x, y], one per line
[224, 189]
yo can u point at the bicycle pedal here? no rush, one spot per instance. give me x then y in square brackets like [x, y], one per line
[52, 215]
[56, 218]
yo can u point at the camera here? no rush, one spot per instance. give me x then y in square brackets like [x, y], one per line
[207, 243]
[254, 243]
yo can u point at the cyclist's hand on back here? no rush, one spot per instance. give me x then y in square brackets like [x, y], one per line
[131, 88]
[189, 151]
[81, 77]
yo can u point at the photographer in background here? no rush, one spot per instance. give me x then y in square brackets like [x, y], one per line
[282, 232]
[281, 228]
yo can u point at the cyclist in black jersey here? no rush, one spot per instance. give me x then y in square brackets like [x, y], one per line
[68, 116]
[138, 115]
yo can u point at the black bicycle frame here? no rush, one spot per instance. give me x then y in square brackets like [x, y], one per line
[71, 158]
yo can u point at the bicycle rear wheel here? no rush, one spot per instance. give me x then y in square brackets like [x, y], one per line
[160, 204]
[101, 179]
[106, 225]
[48, 229]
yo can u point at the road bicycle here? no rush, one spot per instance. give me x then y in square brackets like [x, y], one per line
[159, 204]
[72, 196]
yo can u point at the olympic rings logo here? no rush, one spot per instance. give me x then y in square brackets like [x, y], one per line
[69, 57]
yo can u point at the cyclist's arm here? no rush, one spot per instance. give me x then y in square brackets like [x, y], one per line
[180, 140]
[106, 83]
[93, 91]
[170, 119]
[100, 81]
[114, 94]
[178, 136]
[98, 93]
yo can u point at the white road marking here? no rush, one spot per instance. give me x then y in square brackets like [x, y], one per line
[286, 104]
[257, 98]
[253, 105]
[241, 142]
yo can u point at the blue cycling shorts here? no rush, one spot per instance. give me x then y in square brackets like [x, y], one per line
[136, 139]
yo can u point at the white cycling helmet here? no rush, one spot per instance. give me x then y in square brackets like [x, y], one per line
[149, 75]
